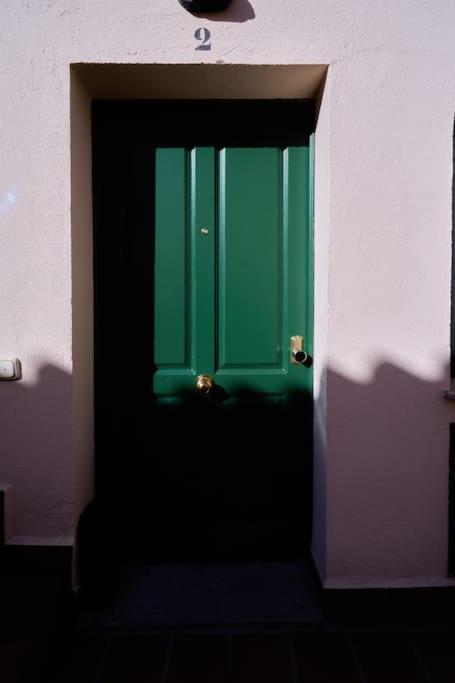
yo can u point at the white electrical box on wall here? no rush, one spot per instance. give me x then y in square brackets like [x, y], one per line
[10, 369]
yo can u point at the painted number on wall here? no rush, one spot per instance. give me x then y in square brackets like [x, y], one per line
[203, 36]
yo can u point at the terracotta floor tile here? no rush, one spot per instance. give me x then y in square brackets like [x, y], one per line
[261, 658]
[323, 658]
[199, 659]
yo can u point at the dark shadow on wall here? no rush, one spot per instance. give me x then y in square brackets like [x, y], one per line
[173, 486]
[200, 485]
[204, 482]
[36, 450]
[388, 414]
[238, 11]
[388, 472]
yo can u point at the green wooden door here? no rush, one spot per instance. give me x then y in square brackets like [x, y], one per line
[232, 270]
[203, 265]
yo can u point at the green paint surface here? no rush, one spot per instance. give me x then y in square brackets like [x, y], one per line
[233, 279]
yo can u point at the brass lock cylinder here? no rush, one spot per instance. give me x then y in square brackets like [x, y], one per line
[204, 384]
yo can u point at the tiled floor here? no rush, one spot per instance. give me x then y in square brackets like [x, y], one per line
[41, 640]
[293, 657]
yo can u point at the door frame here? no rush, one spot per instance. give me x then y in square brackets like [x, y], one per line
[191, 80]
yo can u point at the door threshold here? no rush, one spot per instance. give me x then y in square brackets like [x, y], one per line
[154, 596]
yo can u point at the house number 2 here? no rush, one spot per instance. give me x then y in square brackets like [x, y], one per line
[203, 36]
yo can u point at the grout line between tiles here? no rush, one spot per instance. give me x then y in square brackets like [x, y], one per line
[101, 663]
[293, 659]
[417, 656]
[167, 658]
[357, 664]
[230, 663]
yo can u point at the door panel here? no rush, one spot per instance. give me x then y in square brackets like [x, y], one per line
[172, 262]
[184, 269]
[262, 276]
[250, 262]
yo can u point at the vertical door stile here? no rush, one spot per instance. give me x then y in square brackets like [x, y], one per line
[299, 260]
[172, 334]
[203, 260]
[221, 266]
[310, 250]
[284, 256]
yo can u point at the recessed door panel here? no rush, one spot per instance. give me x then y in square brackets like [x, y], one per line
[250, 272]
[184, 269]
[172, 261]
[264, 266]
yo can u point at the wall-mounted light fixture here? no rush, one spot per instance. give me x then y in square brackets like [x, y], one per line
[204, 5]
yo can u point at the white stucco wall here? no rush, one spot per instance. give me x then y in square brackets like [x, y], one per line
[383, 235]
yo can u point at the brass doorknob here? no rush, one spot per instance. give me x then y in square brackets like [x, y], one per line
[204, 384]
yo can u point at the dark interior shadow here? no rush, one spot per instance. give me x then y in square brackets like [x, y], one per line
[35, 450]
[238, 11]
[198, 482]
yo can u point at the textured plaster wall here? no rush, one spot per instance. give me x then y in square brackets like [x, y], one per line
[383, 216]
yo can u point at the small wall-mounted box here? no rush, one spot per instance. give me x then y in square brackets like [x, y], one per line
[10, 369]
